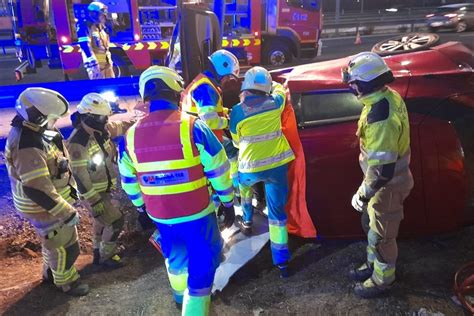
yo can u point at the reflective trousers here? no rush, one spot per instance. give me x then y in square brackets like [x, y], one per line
[381, 223]
[193, 252]
[60, 250]
[276, 190]
[107, 227]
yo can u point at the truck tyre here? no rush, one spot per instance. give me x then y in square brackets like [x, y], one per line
[120, 66]
[276, 53]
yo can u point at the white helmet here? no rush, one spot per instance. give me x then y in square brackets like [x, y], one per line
[225, 63]
[94, 103]
[165, 78]
[257, 78]
[364, 67]
[98, 7]
[48, 102]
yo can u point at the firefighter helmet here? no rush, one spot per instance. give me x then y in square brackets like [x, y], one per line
[94, 103]
[257, 79]
[96, 9]
[364, 67]
[225, 63]
[159, 80]
[49, 103]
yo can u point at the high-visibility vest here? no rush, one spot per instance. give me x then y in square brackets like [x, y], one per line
[168, 165]
[189, 106]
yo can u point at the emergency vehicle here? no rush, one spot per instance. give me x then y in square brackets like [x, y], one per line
[256, 31]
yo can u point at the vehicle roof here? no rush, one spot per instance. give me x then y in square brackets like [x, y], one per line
[449, 58]
[455, 6]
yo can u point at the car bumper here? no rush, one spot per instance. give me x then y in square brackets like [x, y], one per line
[443, 24]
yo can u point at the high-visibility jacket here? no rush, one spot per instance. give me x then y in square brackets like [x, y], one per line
[384, 133]
[41, 180]
[203, 98]
[256, 129]
[93, 158]
[169, 173]
[98, 41]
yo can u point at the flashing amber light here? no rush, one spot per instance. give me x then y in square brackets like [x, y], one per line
[256, 33]
[64, 39]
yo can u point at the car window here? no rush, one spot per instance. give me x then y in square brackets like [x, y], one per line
[328, 107]
[445, 10]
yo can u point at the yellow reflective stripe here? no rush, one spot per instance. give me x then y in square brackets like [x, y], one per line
[278, 234]
[89, 194]
[176, 188]
[131, 144]
[34, 174]
[168, 165]
[185, 135]
[58, 208]
[79, 163]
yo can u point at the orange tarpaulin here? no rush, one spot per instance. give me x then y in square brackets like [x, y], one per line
[299, 220]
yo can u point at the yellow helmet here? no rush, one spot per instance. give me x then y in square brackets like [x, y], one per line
[158, 79]
[49, 103]
[94, 103]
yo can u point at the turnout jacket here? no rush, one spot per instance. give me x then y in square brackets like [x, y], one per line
[41, 179]
[93, 156]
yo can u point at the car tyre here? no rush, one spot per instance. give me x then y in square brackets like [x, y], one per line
[276, 53]
[405, 43]
[120, 66]
[461, 27]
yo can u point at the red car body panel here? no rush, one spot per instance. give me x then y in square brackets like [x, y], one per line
[437, 202]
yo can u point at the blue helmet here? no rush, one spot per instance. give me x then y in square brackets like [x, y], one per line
[225, 63]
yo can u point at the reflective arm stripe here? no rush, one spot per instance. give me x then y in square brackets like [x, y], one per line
[58, 208]
[260, 138]
[218, 171]
[174, 189]
[128, 180]
[208, 115]
[381, 157]
[38, 173]
[90, 194]
[83, 39]
[79, 163]
[245, 165]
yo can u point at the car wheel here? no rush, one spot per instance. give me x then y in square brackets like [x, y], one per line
[405, 43]
[461, 27]
[120, 66]
[277, 54]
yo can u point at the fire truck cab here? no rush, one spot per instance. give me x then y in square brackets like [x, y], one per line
[256, 31]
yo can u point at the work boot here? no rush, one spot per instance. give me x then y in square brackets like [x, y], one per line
[361, 273]
[283, 267]
[114, 262]
[96, 259]
[245, 227]
[369, 289]
[179, 306]
[76, 288]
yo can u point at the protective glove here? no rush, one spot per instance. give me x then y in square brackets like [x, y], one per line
[73, 220]
[359, 203]
[227, 210]
[98, 209]
[143, 218]
[92, 68]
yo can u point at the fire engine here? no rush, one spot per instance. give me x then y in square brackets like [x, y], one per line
[256, 31]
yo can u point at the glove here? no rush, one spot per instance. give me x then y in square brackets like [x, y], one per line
[92, 68]
[73, 220]
[359, 203]
[98, 209]
[227, 210]
[143, 218]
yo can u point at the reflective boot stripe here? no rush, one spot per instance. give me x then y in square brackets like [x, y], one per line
[278, 233]
[196, 305]
[384, 274]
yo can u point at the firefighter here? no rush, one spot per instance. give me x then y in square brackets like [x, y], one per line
[203, 96]
[264, 154]
[95, 42]
[42, 185]
[168, 160]
[384, 135]
[93, 156]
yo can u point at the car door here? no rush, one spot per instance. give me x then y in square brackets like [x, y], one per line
[197, 35]
[328, 122]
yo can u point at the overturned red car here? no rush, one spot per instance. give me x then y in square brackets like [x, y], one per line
[438, 88]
